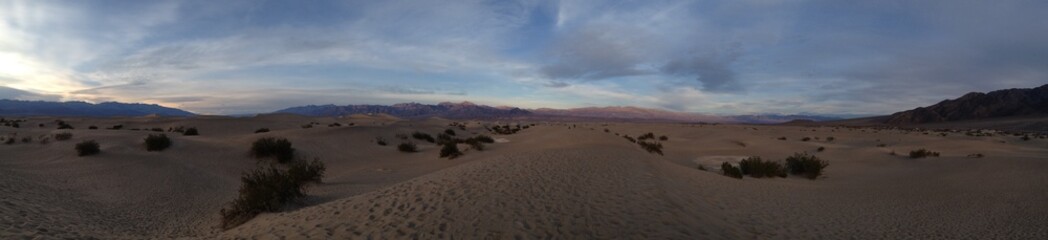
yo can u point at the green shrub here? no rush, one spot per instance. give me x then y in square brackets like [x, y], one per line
[450, 151]
[87, 148]
[157, 142]
[191, 132]
[303, 172]
[272, 147]
[407, 147]
[728, 170]
[63, 136]
[806, 165]
[757, 168]
[262, 190]
[423, 136]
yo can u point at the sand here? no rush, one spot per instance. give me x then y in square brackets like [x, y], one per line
[548, 181]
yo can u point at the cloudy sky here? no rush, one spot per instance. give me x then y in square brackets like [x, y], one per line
[719, 57]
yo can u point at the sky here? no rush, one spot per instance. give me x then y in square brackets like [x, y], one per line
[712, 57]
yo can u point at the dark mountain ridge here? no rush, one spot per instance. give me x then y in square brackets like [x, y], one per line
[974, 106]
[105, 109]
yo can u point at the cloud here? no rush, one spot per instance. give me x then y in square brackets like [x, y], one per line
[714, 71]
[17, 94]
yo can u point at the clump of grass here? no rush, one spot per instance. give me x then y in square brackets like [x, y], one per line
[923, 153]
[269, 147]
[380, 141]
[262, 130]
[450, 151]
[806, 165]
[728, 170]
[191, 132]
[87, 148]
[423, 136]
[407, 147]
[158, 142]
[757, 168]
[63, 136]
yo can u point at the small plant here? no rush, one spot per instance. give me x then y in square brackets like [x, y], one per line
[191, 132]
[450, 151]
[303, 172]
[262, 130]
[805, 139]
[820, 149]
[92, 127]
[923, 153]
[114, 127]
[158, 142]
[728, 170]
[664, 138]
[449, 132]
[976, 155]
[646, 136]
[407, 147]
[64, 125]
[651, 147]
[87, 148]
[475, 144]
[445, 139]
[782, 138]
[380, 141]
[269, 147]
[484, 139]
[261, 190]
[423, 136]
[63, 136]
[628, 138]
[757, 168]
[806, 165]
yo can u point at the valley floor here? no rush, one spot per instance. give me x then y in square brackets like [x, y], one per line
[552, 180]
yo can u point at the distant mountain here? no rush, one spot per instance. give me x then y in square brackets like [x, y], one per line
[463, 110]
[778, 118]
[106, 109]
[1001, 103]
[626, 113]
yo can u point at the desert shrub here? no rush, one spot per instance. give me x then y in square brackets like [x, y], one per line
[92, 127]
[423, 136]
[191, 132]
[782, 138]
[606, 130]
[806, 165]
[703, 168]
[261, 190]
[9, 141]
[755, 167]
[307, 126]
[651, 147]
[407, 147]
[401, 136]
[156, 129]
[158, 142]
[87, 148]
[269, 147]
[475, 144]
[449, 132]
[805, 139]
[976, 155]
[27, 139]
[63, 136]
[1026, 138]
[335, 125]
[64, 125]
[728, 170]
[820, 149]
[646, 136]
[262, 130]
[303, 172]
[664, 138]
[380, 141]
[628, 138]
[923, 153]
[450, 151]
[882, 145]
[443, 139]
[114, 127]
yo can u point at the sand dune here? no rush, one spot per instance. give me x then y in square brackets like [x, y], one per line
[549, 181]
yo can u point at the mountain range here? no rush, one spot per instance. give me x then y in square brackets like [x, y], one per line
[1016, 102]
[106, 109]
